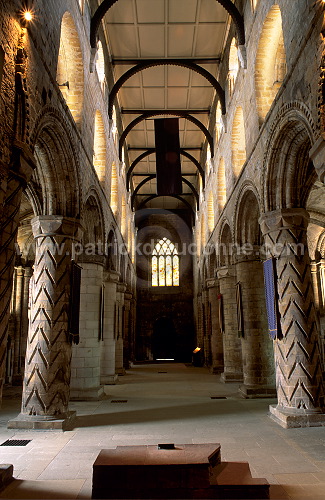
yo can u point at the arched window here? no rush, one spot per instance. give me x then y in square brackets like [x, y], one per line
[233, 66]
[218, 122]
[165, 264]
[100, 63]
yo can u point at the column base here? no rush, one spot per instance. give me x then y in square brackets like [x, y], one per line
[231, 377]
[216, 370]
[296, 418]
[109, 379]
[23, 421]
[120, 371]
[96, 394]
[257, 391]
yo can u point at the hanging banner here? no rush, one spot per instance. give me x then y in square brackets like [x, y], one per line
[168, 161]
[271, 297]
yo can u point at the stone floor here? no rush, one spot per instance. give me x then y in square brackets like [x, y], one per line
[173, 407]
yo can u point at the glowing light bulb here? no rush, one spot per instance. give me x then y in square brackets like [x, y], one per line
[28, 15]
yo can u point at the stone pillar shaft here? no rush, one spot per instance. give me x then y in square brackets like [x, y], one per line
[299, 382]
[107, 374]
[119, 362]
[48, 356]
[216, 334]
[257, 348]
[85, 365]
[233, 371]
[17, 312]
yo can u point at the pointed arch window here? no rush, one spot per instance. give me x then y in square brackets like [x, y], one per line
[165, 264]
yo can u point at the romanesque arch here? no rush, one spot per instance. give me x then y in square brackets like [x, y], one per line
[56, 177]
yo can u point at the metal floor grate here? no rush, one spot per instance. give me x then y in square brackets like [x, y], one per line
[16, 442]
[218, 397]
[119, 401]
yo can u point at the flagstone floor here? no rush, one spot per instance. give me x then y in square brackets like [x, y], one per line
[174, 407]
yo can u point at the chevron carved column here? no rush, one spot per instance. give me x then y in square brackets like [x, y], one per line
[299, 382]
[48, 356]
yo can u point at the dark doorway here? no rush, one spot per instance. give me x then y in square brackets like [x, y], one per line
[164, 339]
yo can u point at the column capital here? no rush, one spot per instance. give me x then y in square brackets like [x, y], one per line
[56, 225]
[225, 272]
[247, 253]
[128, 296]
[284, 219]
[121, 287]
[111, 276]
[211, 283]
[317, 156]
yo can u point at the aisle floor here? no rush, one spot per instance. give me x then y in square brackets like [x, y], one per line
[165, 403]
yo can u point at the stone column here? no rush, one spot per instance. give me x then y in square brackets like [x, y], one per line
[119, 367]
[127, 346]
[48, 358]
[85, 364]
[216, 336]
[298, 362]
[206, 325]
[28, 272]
[233, 371]
[107, 364]
[257, 348]
[17, 376]
[20, 172]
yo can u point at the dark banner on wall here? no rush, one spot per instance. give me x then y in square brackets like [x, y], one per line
[168, 162]
[271, 297]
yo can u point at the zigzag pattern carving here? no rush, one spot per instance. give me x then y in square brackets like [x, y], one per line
[48, 356]
[297, 355]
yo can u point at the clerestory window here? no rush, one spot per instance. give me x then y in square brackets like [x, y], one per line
[165, 264]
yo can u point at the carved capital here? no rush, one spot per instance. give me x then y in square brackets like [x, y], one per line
[121, 287]
[317, 156]
[211, 283]
[56, 225]
[225, 272]
[284, 219]
[111, 276]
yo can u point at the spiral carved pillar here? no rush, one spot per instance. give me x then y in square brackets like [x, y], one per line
[18, 177]
[48, 356]
[233, 371]
[298, 364]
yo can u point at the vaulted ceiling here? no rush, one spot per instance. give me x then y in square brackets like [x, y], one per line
[169, 32]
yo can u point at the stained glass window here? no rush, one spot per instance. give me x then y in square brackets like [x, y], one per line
[165, 264]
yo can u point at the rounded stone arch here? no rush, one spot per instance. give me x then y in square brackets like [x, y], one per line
[99, 157]
[238, 142]
[247, 214]
[70, 68]
[225, 245]
[93, 223]
[270, 64]
[57, 168]
[288, 172]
